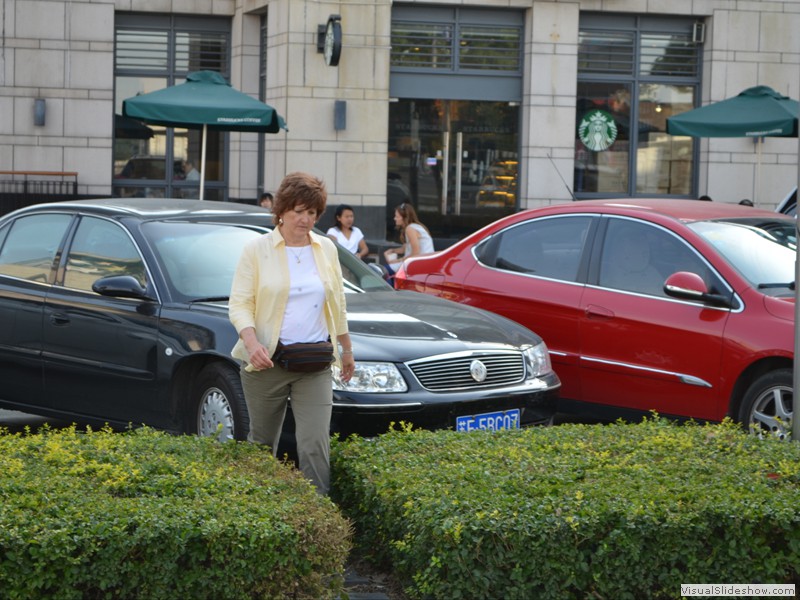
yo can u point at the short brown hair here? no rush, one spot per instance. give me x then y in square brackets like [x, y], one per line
[299, 189]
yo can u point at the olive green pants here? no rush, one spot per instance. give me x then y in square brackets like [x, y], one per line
[267, 394]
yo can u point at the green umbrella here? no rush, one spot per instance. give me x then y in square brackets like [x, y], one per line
[756, 112]
[205, 101]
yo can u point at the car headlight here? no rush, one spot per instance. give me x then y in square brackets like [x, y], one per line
[371, 378]
[537, 360]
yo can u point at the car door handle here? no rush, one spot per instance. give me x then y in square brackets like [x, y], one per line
[59, 319]
[598, 312]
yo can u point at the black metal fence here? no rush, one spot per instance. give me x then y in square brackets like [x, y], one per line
[23, 188]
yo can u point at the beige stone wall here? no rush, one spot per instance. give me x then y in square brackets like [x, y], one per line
[62, 53]
[303, 89]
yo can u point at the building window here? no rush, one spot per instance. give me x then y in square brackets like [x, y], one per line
[456, 40]
[153, 52]
[456, 84]
[633, 73]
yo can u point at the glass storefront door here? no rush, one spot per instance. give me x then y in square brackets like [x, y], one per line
[454, 160]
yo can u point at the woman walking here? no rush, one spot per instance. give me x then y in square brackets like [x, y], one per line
[288, 289]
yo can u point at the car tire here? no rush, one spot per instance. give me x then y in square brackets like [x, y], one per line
[767, 405]
[217, 400]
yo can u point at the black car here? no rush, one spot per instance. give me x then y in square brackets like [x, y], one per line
[115, 310]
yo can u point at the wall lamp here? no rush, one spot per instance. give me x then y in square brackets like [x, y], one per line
[39, 112]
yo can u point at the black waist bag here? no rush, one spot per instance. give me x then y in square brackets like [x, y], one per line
[303, 357]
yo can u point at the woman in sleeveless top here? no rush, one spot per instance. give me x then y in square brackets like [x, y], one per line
[414, 235]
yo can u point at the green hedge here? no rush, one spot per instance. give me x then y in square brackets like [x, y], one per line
[574, 511]
[143, 514]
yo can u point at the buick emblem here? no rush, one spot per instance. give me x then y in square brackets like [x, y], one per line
[478, 370]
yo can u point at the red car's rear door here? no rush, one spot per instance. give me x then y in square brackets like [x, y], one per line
[532, 273]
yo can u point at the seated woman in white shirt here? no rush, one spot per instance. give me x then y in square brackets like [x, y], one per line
[414, 235]
[346, 234]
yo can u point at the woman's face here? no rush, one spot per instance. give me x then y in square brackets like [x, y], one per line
[347, 218]
[398, 219]
[298, 222]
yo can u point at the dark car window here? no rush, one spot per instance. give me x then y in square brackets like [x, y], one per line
[545, 247]
[638, 257]
[31, 245]
[199, 259]
[101, 248]
[356, 272]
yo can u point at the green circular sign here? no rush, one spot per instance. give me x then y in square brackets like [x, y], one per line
[597, 130]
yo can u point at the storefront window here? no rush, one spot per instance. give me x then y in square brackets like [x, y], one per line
[633, 73]
[456, 83]
[453, 157]
[154, 52]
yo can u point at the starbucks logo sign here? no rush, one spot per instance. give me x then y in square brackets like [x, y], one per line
[597, 130]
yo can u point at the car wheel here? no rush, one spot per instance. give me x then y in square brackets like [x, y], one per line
[217, 406]
[767, 405]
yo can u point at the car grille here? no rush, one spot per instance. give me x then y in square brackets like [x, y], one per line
[454, 371]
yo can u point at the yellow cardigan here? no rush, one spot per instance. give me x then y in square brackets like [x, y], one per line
[260, 290]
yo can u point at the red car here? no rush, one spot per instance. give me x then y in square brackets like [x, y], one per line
[681, 307]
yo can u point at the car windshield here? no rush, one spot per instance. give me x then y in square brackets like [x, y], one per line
[762, 250]
[198, 260]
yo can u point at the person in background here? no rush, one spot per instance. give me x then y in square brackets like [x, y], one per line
[288, 287]
[346, 234]
[265, 200]
[191, 173]
[414, 236]
[704, 197]
[746, 202]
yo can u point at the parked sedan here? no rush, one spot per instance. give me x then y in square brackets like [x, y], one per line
[676, 306]
[116, 310]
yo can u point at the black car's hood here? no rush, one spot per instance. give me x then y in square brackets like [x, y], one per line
[402, 326]
[398, 326]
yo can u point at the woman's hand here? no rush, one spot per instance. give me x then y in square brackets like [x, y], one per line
[348, 366]
[392, 255]
[346, 354]
[258, 353]
[259, 357]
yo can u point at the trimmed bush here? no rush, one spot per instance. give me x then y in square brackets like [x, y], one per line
[574, 511]
[144, 514]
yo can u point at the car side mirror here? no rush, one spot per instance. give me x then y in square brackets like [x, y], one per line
[120, 286]
[690, 286]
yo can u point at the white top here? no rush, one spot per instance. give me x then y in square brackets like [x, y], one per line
[303, 320]
[352, 244]
[425, 240]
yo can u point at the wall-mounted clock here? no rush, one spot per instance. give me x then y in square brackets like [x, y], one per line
[333, 41]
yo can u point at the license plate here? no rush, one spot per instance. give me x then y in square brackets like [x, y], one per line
[494, 421]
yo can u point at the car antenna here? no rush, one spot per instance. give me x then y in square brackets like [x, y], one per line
[562, 179]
